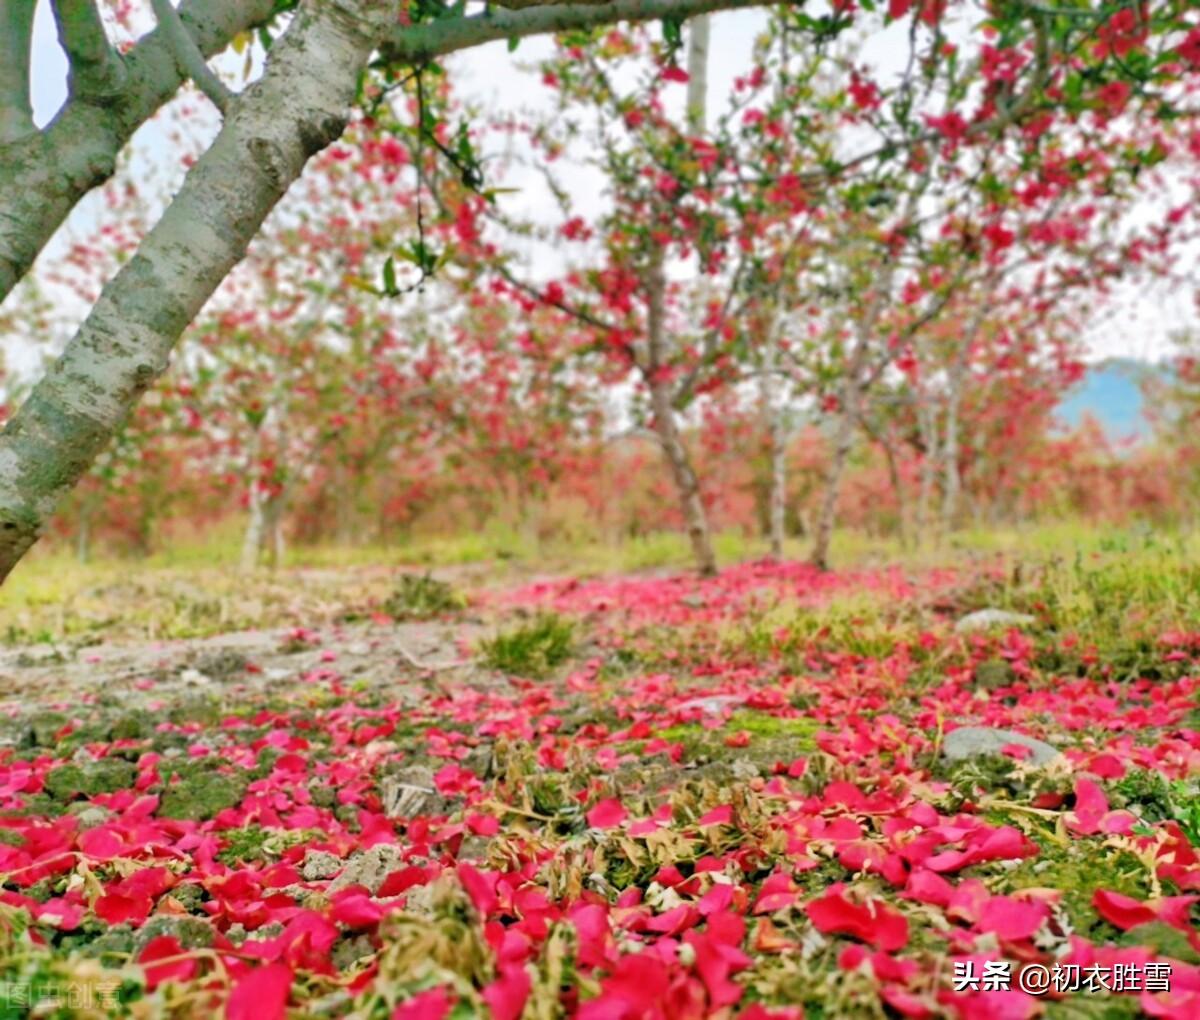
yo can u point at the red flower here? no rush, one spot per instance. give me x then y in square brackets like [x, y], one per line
[607, 814]
[165, 947]
[260, 994]
[872, 921]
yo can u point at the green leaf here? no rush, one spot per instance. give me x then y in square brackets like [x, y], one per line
[513, 43]
[389, 277]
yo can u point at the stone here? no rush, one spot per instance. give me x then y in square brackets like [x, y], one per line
[711, 704]
[408, 793]
[978, 741]
[220, 663]
[319, 865]
[88, 816]
[989, 619]
[369, 868]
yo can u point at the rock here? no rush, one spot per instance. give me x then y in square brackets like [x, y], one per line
[408, 793]
[349, 949]
[994, 673]
[88, 816]
[711, 704]
[987, 619]
[369, 868]
[319, 865]
[220, 663]
[977, 741]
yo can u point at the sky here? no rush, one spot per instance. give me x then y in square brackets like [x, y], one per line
[1137, 324]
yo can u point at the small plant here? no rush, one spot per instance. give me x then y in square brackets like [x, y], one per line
[533, 649]
[421, 597]
[1154, 798]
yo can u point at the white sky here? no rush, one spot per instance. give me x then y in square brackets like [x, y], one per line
[490, 77]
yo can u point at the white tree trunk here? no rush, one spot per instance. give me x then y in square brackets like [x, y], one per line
[667, 428]
[697, 94]
[843, 441]
[297, 108]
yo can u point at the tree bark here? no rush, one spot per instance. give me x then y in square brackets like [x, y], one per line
[297, 108]
[951, 476]
[843, 441]
[697, 94]
[16, 32]
[667, 429]
[776, 448]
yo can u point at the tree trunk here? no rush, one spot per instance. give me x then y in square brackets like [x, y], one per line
[893, 470]
[297, 108]
[697, 94]
[776, 449]
[927, 423]
[667, 429]
[827, 516]
[256, 526]
[951, 477]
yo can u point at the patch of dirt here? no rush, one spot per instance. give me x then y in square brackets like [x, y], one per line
[367, 654]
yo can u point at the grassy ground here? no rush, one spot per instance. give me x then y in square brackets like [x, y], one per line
[638, 790]
[194, 588]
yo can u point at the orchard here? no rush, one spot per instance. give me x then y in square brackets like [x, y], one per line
[609, 510]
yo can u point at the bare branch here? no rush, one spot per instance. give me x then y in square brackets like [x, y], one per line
[16, 34]
[96, 68]
[188, 57]
[413, 44]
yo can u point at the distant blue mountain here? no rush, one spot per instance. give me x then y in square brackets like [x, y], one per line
[1111, 393]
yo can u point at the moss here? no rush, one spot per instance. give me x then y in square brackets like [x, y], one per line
[254, 844]
[202, 710]
[1078, 870]
[42, 729]
[1164, 939]
[1090, 1006]
[200, 797]
[192, 932]
[108, 775]
[115, 942]
[772, 737]
[136, 725]
[993, 673]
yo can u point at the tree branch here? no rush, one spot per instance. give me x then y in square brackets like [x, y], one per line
[413, 44]
[16, 35]
[96, 68]
[188, 57]
[43, 177]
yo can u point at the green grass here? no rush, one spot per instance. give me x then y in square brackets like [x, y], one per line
[533, 649]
